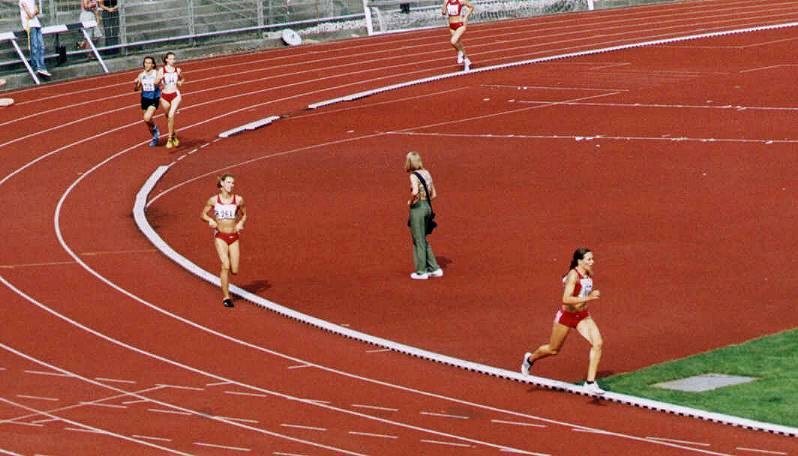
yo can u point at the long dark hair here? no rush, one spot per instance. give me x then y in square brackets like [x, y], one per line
[154, 65]
[579, 254]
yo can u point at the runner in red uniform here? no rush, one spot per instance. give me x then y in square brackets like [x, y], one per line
[573, 313]
[457, 27]
[226, 214]
[171, 78]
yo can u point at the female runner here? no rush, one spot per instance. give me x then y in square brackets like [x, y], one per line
[150, 96]
[171, 79]
[228, 214]
[574, 314]
[457, 27]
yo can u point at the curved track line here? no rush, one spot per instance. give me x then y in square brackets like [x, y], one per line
[238, 341]
[90, 428]
[621, 26]
[502, 66]
[140, 396]
[259, 389]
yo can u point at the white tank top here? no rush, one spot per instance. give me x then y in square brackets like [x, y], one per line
[225, 211]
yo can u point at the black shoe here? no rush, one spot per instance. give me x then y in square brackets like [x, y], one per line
[228, 302]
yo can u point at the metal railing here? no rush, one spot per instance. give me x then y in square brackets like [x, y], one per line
[140, 24]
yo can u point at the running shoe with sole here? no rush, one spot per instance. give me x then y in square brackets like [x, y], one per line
[593, 389]
[175, 140]
[526, 364]
[466, 64]
[156, 135]
[169, 143]
[417, 276]
[227, 302]
[44, 73]
[436, 273]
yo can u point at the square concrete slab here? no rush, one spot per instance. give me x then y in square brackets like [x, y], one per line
[705, 382]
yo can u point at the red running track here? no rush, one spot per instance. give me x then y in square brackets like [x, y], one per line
[108, 346]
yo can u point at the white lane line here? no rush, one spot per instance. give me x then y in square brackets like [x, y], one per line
[517, 87]
[46, 420]
[149, 437]
[9, 453]
[114, 380]
[22, 423]
[369, 434]
[602, 137]
[444, 415]
[277, 453]
[100, 404]
[38, 398]
[374, 407]
[241, 393]
[685, 442]
[299, 366]
[80, 404]
[670, 106]
[436, 442]
[90, 431]
[217, 383]
[299, 426]
[136, 401]
[224, 447]
[190, 388]
[378, 350]
[174, 412]
[754, 450]
[518, 423]
[53, 374]
[33, 265]
[243, 420]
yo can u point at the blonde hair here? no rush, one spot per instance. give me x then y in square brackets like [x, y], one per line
[413, 162]
[221, 179]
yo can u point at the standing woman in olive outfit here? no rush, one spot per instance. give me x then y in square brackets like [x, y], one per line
[426, 265]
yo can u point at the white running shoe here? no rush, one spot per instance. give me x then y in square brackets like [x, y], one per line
[526, 364]
[593, 389]
[466, 64]
[459, 57]
[417, 276]
[436, 273]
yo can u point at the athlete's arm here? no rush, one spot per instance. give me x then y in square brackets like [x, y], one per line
[242, 211]
[470, 9]
[204, 215]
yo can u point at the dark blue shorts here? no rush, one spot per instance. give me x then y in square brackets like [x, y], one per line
[147, 102]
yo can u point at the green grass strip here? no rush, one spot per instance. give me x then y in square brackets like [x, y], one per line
[771, 398]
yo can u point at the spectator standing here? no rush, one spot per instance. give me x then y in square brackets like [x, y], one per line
[89, 11]
[29, 13]
[111, 24]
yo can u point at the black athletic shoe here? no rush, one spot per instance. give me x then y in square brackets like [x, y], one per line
[228, 302]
